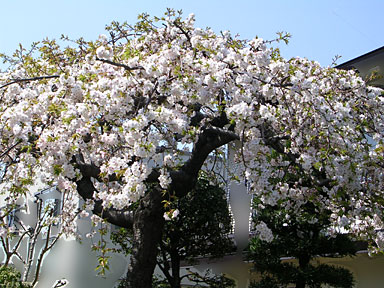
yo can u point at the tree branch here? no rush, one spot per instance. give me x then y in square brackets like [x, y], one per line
[183, 32]
[10, 148]
[271, 140]
[29, 79]
[126, 67]
[121, 218]
[184, 179]
[86, 189]
[274, 142]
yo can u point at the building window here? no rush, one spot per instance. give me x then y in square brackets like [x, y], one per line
[12, 220]
[48, 202]
[53, 205]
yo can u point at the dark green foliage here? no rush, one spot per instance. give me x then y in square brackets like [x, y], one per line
[159, 282]
[266, 282]
[203, 225]
[156, 283]
[200, 230]
[217, 281]
[10, 278]
[207, 280]
[122, 238]
[298, 237]
[213, 281]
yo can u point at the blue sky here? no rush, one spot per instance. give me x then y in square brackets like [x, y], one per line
[320, 29]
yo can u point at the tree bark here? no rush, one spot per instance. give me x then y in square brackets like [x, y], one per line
[147, 231]
[175, 260]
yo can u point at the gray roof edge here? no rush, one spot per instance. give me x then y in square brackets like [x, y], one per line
[360, 58]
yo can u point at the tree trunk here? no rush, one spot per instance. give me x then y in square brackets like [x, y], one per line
[300, 283]
[30, 248]
[147, 232]
[175, 261]
[303, 265]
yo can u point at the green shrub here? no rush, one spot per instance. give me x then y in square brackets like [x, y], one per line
[10, 278]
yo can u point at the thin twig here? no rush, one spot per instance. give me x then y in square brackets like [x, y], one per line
[29, 79]
[10, 148]
[126, 67]
[150, 95]
[184, 32]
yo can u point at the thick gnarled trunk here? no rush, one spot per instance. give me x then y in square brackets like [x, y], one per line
[147, 230]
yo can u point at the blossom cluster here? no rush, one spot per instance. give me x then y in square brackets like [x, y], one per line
[117, 105]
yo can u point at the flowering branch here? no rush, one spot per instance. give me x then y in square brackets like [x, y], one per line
[212, 138]
[126, 67]
[10, 148]
[29, 79]
[176, 23]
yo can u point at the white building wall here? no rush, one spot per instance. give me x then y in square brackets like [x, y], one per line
[76, 262]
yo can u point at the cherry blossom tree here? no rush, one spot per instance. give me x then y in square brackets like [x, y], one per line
[146, 106]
